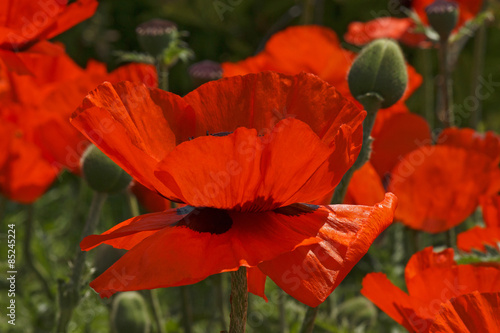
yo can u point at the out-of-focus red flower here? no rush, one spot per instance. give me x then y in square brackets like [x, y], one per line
[310, 49]
[436, 285]
[477, 237]
[34, 114]
[402, 29]
[439, 186]
[359, 33]
[245, 189]
[25, 25]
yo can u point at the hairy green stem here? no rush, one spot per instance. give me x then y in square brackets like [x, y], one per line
[309, 319]
[163, 73]
[69, 292]
[371, 105]
[239, 301]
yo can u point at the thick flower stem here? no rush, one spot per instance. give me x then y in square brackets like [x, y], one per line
[151, 294]
[310, 317]
[239, 301]
[371, 104]
[69, 292]
[28, 256]
[445, 110]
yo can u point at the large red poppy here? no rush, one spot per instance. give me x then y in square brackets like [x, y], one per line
[477, 237]
[35, 111]
[25, 25]
[439, 186]
[310, 49]
[435, 284]
[403, 29]
[252, 183]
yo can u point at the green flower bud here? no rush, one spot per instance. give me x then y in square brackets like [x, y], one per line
[379, 71]
[129, 314]
[156, 35]
[101, 173]
[443, 17]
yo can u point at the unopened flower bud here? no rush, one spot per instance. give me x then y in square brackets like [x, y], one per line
[155, 35]
[129, 314]
[443, 17]
[379, 71]
[101, 173]
[205, 71]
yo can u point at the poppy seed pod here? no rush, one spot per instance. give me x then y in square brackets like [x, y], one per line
[443, 17]
[205, 71]
[379, 70]
[156, 35]
[129, 314]
[101, 173]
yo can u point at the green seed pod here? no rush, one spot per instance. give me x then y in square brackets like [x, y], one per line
[129, 314]
[443, 17]
[379, 70]
[101, 173]
[156, 35]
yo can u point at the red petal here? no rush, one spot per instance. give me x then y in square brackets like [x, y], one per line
[263, 99]
[438, 187]
[311, 273]
[491, 210]
[427, 258]
[475, 312]
[398, 135]
[477, 238]
[152, 201]
[131, 232]
[72, 15]
[365, 187]
[248, 172]
[133, 125]
[359, 33]
[389, 298]
[256, 282]
[175, 256]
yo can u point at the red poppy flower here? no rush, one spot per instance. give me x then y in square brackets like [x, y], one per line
[310, 49]
[359, 33]
[24, 23]
[243, 187]
[477, 237]
[435, 284]
[439, 186]
[35, 111]
[152, 201]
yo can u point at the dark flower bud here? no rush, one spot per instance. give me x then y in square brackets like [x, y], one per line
[156, 35]
[129, 314]
[205, 71]
[379, 72]
[101, 173]
[443, 17]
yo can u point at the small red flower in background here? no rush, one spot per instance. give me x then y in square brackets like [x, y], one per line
[477, 237]
[25, 25]
[246, 189]
[437, 285]
[439, 186]
[403, 29]
[310, 49]
[34, 114]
